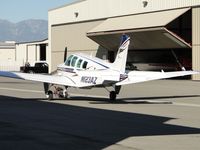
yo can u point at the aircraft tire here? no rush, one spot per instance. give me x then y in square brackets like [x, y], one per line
[50, 95]
[31, 71]
[113, 95]
[65, 94]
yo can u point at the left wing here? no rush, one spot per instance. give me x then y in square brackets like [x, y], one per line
[54, 79]
[143, 76]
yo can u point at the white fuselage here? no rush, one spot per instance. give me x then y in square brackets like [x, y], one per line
[89, 71]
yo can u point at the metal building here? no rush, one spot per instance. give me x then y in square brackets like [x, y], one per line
[8, 56]
[31, 51]
[7, 51]
[155, 27]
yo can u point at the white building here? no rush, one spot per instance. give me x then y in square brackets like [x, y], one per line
[7, 51]
[155, 27]
[8, 56]
[14, 55]
[31, 51]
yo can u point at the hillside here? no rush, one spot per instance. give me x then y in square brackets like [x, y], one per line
[24, 31]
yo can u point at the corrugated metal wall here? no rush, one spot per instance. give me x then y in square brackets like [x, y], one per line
[196, 41]
[98, 9]
[72, 36]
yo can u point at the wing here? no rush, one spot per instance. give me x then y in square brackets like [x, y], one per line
[143, 76]
[53, 79]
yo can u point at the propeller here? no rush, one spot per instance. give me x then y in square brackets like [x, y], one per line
[65, 54]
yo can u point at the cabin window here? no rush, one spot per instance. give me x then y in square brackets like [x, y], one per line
[67, 63]
[79, 63]
[74, 61]
[85, 64]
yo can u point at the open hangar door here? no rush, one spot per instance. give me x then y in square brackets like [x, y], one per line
[159, 40]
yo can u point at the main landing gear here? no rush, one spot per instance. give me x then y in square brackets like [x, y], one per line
[52, 91]
[113, 94]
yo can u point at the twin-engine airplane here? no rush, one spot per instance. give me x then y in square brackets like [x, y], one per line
[82, 71]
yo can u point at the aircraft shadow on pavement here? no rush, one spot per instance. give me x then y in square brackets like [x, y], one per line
[133, 100]
[36, 125]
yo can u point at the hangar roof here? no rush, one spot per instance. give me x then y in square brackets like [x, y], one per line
[44, 41]
[7, 45]
[72, 3]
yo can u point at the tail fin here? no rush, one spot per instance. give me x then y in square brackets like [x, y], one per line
[120, 60]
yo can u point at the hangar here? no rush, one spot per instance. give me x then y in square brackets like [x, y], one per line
[31, 51]
[8, 56]
[7, 50]
[162, 31]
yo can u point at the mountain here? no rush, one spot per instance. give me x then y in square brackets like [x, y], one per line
[24, 31]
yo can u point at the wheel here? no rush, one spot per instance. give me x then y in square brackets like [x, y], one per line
[49, 95]
[113, 95]
[66, 95]
[30, 71]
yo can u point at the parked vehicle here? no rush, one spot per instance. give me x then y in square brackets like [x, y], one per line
[38, 67]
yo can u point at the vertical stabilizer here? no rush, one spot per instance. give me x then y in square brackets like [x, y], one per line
[120, 60]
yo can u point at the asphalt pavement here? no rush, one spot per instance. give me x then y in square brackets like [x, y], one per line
[158, 115]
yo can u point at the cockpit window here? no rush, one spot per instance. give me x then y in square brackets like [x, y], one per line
[67, 63]
[85, 64]
[74, 61]
[79, 63]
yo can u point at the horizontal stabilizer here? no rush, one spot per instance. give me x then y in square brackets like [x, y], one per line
[143, 76]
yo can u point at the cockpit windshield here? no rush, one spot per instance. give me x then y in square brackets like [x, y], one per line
[79, 63]
[74, 61]
[68, 61]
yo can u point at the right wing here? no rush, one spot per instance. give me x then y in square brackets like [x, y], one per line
[52, 79]
[144, 76]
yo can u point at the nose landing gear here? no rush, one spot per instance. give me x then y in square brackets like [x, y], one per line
[52, 91]
[49, 95]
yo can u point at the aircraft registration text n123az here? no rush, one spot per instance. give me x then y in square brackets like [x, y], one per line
[88, 79]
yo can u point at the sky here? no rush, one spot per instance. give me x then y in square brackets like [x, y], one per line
[19, 10]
